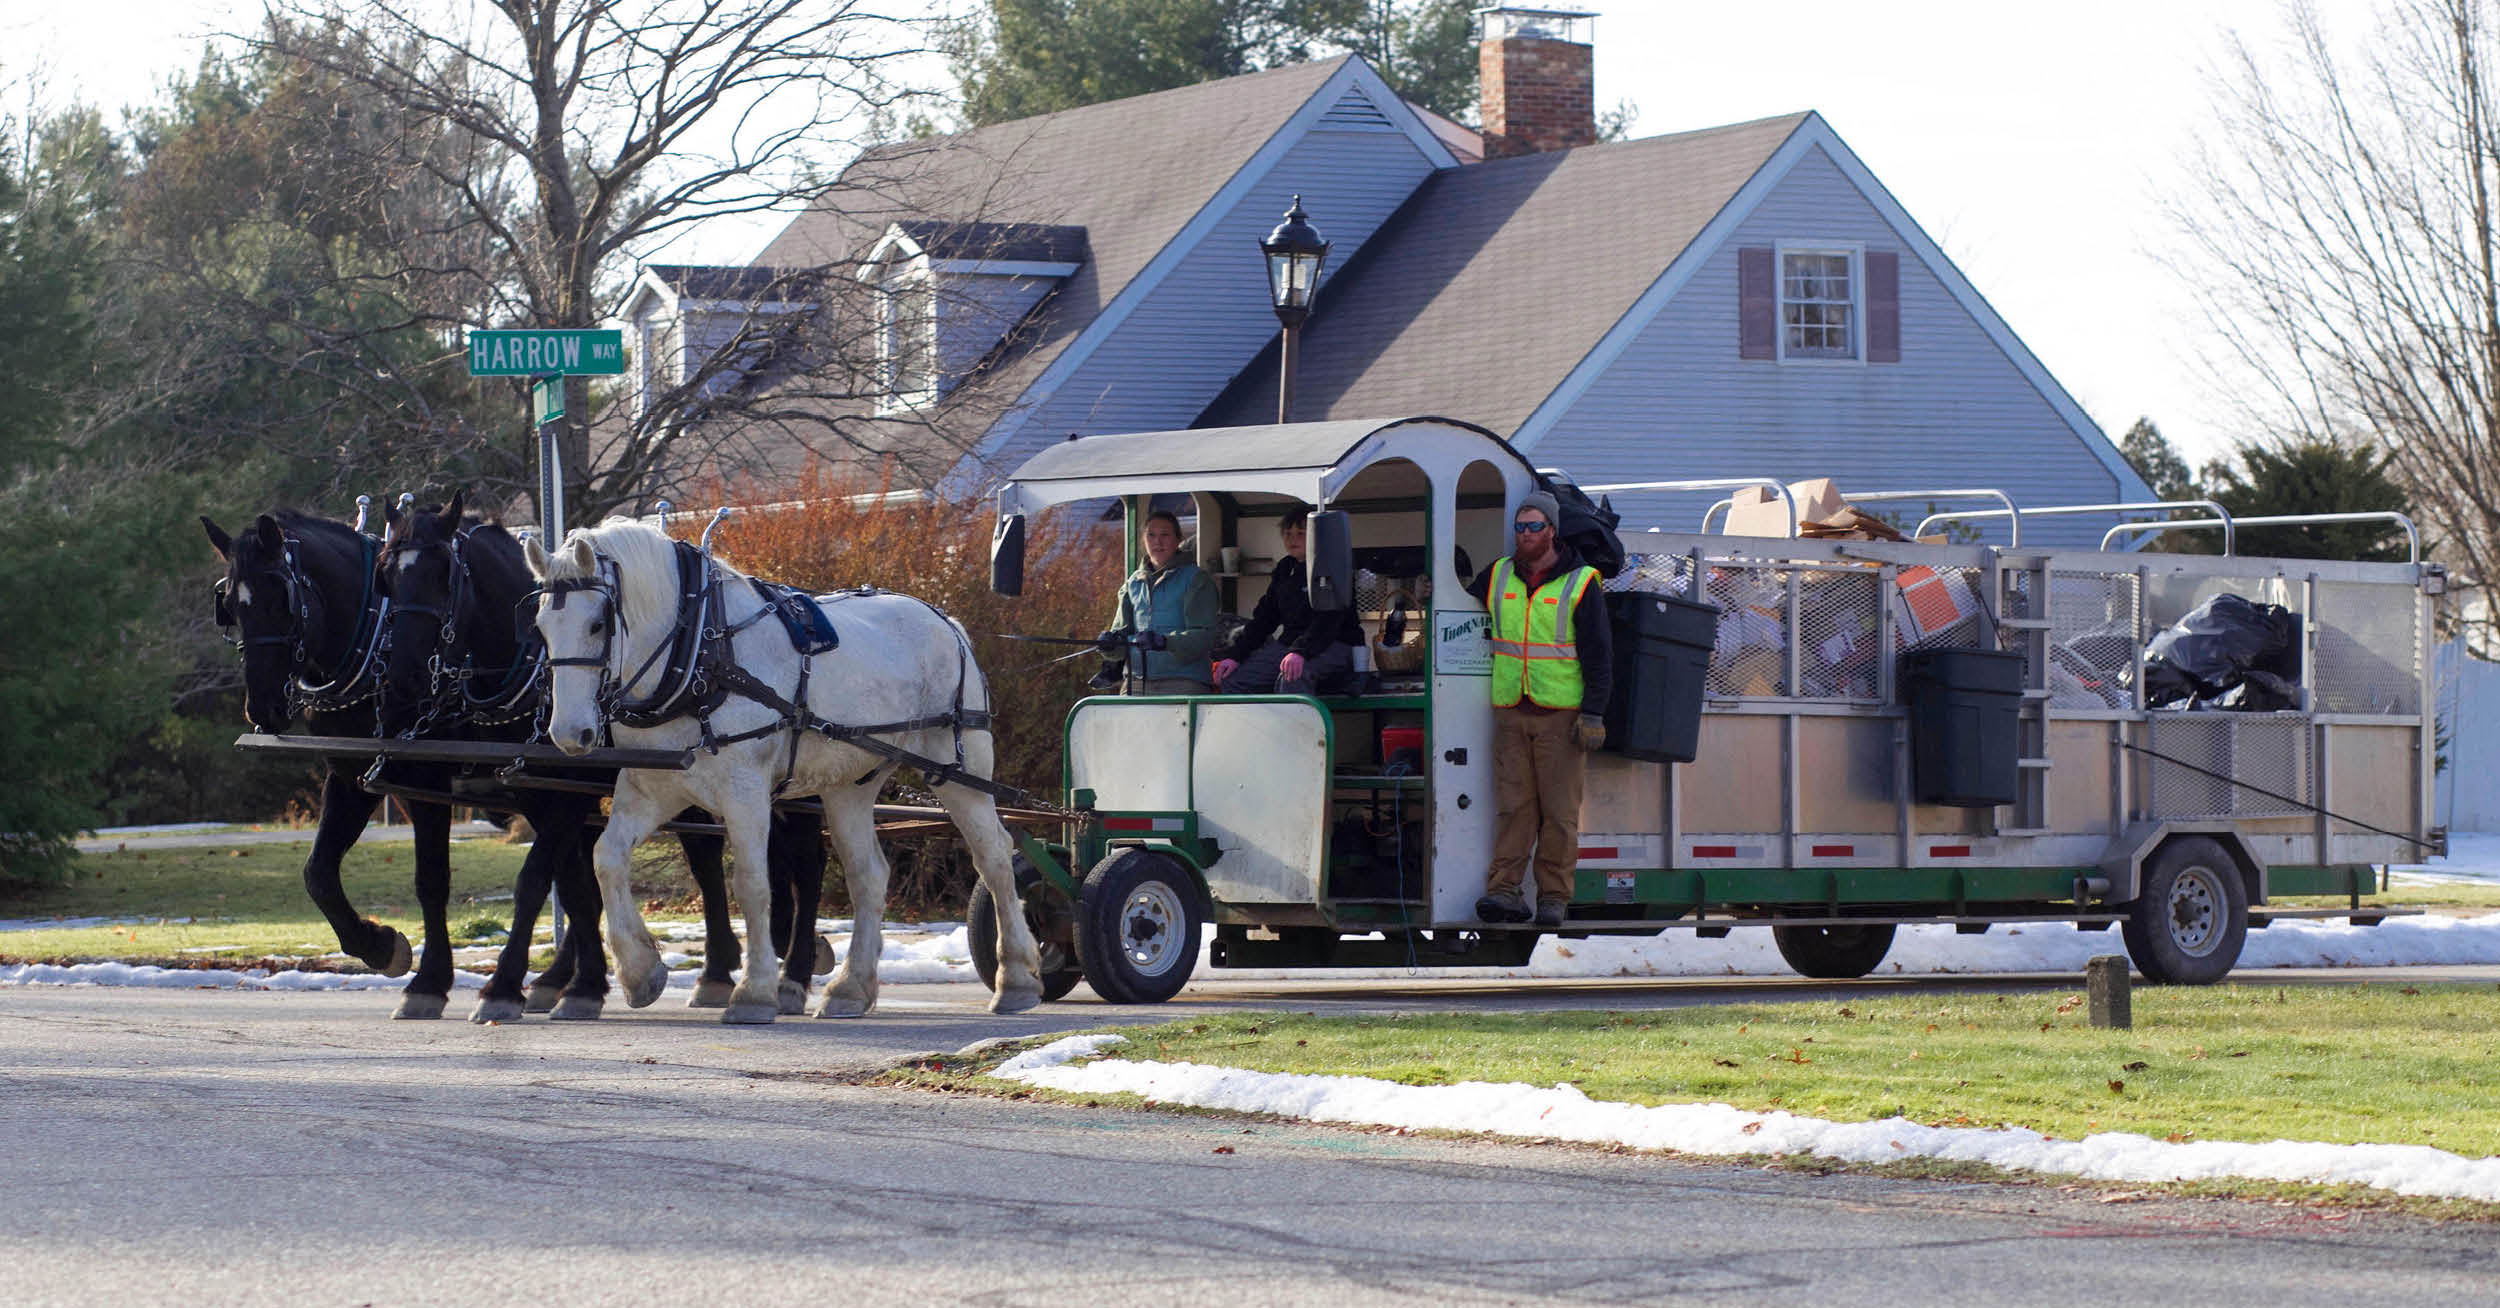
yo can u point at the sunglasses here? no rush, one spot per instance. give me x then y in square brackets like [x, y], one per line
[1531, 528]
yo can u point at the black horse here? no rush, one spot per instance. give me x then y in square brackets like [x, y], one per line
[463, 659]
[299, 597]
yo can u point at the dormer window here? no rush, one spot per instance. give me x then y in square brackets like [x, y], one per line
[907, 374]
[947, 294]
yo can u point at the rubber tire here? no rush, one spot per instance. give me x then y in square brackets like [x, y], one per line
[981, 934]
[1834, 953]
[2151, 940]
[1101, 913]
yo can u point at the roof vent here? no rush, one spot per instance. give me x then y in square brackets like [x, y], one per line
[1355, 112]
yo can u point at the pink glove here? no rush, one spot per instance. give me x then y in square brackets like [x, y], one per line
[1224, 668]
[1289, 668]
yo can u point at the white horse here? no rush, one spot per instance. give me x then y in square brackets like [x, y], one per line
[899, 661]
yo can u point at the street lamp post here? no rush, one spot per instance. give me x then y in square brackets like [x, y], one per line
[1295, 254]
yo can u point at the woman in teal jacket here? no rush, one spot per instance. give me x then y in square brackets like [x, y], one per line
[1164, 626]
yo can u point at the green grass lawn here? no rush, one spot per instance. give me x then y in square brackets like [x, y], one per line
[2379, 1063]
[2440, 895]
[247, 901]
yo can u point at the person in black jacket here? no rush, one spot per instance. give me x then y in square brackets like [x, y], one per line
[1289, 647]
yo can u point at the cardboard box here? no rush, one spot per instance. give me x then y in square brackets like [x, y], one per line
[1926, 602]
[1756, 511]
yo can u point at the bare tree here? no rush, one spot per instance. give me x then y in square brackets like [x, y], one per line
[517, 157]
[2343, 237]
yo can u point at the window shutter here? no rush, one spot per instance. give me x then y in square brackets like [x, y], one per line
[1883, 306]
[1757, 304]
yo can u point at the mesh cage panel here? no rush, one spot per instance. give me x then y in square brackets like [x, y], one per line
[1837, 628]
[1751, 658]
[2368, 660]
[2092, 640]
[1657, 574]
[2264, 752]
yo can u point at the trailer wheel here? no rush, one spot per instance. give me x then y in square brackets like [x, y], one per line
[1834, 953]
[1046, 911]
[1138, 925]
[2190, 916]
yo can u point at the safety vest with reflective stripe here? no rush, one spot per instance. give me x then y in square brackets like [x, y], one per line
[1533, 652]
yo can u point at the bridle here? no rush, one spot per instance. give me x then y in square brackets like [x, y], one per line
[450, 699]
[352, 686]
[683, 686]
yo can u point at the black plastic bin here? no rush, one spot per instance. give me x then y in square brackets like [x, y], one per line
[1662, 659]
[1965, 725]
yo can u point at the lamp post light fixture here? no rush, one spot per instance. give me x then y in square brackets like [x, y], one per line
[1295, 254]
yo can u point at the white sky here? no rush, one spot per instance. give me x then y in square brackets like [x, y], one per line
[2030, 140]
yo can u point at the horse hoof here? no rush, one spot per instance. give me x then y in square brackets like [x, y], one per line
[496, 1010]
[843, 1006]
[824, 957]
[414, 1007]
[793, 997]
[578, 1008]
[401, 957]
[1015, 1001]
[645, 991]
[543, 998]
[711, 992]
[749, 1013]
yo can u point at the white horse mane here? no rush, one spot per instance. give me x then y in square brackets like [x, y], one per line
[646, 565]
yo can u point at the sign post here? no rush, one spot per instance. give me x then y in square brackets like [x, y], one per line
[548, 356]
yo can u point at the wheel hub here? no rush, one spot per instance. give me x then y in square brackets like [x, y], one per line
[2195, 912]
[1150, 929]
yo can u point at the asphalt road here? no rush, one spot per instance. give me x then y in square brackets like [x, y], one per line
[212, 1147]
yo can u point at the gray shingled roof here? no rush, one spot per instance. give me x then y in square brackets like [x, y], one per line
[1494, 281]
[1036, 242]
[1130, 173]
[708, 282]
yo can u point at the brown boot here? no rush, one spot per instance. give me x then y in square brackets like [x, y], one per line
[1500, 907]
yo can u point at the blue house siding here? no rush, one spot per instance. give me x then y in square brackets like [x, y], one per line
[1194, 328]
[1954, 412]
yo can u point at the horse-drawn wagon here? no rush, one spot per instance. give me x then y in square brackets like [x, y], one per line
[1873, 734]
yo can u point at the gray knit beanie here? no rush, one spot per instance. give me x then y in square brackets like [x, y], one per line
[1542, 503]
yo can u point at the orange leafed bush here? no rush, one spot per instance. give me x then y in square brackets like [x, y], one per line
[825, 533]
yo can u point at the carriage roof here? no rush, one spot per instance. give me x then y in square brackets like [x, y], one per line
[1300, 459]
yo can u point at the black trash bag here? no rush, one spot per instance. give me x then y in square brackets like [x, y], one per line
[2258, 692]
[1589, 525]
[2216, 646]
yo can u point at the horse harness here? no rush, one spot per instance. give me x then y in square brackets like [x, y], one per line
[701, 674]
[458, 704]
[346, 690]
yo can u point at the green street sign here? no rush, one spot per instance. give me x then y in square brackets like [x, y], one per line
[548, 394]
[535, 351]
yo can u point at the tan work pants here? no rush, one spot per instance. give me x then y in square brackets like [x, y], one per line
[1539, 772]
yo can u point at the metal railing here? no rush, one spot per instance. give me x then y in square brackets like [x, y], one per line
[2220, 513]
[2413, 536]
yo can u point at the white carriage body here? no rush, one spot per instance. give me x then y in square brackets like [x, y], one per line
[1798, 806]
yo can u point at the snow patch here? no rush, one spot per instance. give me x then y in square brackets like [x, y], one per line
[1562, 1112]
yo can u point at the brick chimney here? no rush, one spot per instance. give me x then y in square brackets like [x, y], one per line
[1535, 67]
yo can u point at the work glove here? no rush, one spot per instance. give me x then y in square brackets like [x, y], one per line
[1150, 640]
[1590, 731]
[1110, 643]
